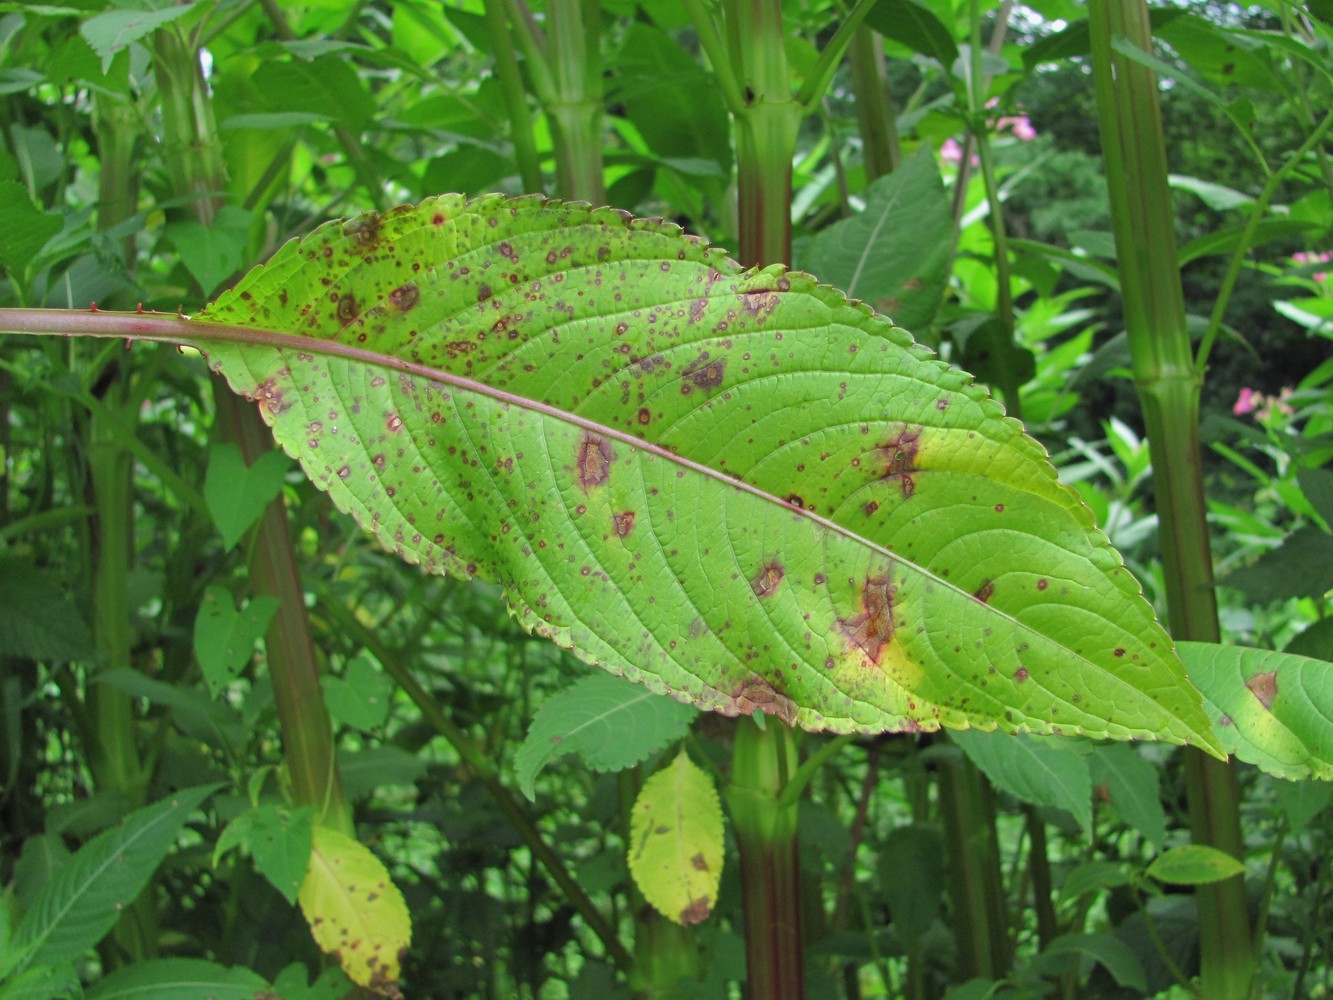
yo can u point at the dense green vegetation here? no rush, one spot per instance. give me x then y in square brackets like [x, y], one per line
[226, 705]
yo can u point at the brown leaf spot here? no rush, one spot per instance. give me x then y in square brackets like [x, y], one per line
[1021, 674]
[643, 415]
[1043, 583]
[765, 582]
[364, 231]
[594, 461]
[348, 310]
[704, 373]
[1264, 687]
[699, 863]
[872, 629]
[697, 309]
[483, 292]
[697, 912]
[899, 454]
[624, 523]
[758, 695]
[759, 304]
[404, 297]
[985, 592]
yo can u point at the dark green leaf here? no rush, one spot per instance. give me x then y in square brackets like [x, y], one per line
[867, 257]
[212, 253]
[86, 897]
[1132, 788]
[1302, 566]
[1040, 771]
[361, 697]
[37, 620]
[611, 724]
[1117, 957]
[25, 228]
[911, 872]
[916, 26]
[371, 768]
[179, 979]
[113, 30]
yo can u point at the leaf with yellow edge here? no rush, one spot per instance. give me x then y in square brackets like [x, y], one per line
[676, 837]
[355, 912]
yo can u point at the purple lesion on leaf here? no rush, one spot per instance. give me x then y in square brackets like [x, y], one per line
[697, 309]
[985, 592]
[404, 297]
[348, 308]
[1264, 688]
[899, 454]
[765, 583]
[364, 231]
[872, 630]
[759, 695]
[705, 372]
[594, 461]
[760, 303]
[623, 523]
[270, 396]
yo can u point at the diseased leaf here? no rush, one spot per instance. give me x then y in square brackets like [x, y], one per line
[612, 725]
[733, 486]
[1194, 864]
[1271, 709]
[355, 912]
[676, 842]
[1042, 772]
[88, 894]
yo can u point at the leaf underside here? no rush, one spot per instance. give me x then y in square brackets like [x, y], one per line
[736, 487]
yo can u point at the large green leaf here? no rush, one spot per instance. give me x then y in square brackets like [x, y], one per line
[180, 979]
[87, 896]
[736, 487]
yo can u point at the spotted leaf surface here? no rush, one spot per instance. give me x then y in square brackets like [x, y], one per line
[1274, 710]
[676, 842]
[736, 487]
[355, 912]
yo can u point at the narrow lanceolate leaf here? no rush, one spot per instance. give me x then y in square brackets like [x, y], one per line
[736, 487]
[676, 842]
[88, 895]
[355, 912]
[1270, 709]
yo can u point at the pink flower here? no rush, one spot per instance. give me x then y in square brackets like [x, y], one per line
[1023, 129]
[1247, 402]
[951, 152]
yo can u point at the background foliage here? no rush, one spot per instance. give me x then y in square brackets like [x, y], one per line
[152, 152]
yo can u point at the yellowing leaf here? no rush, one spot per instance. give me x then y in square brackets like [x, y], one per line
[355, 912]
[676, 842]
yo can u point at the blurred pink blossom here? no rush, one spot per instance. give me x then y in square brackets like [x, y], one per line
[951, 152]
[1263, 407]
[1246, 402]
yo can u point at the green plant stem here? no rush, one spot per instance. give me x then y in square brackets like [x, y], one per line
[486, 772]
[875, 115]
[967, 810]
[1169, 389]
[770, 871]
[1043, 888]
[516, 99]
[574, 34]
[307, 733]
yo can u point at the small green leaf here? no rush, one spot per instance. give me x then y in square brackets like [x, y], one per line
[86, 897]
[41, 983]
[277, 839]
[1270, 709]
[371, 768]
[1302, 801]
[916, 26]
[1131, 784]
[1118, 958]
[26, 228]
[114, 30]
[355, 911]
[1302, 566]
[1041, 771]
[293, 983]
[676, 842]
[238, 494]
[224, 638]
[214, 252]
[1194, 864]
[361, 697]
[607, 721]
[179, 979]
[37, 620]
